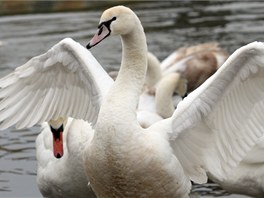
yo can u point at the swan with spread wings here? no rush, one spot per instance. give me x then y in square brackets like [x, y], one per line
[212, 129]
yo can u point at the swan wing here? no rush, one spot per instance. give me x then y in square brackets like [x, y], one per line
[66, 81]
[255, 155]
[218, 123]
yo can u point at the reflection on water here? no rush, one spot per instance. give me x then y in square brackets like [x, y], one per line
[168, 25]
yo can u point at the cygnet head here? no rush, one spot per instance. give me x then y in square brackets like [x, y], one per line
[118, 20]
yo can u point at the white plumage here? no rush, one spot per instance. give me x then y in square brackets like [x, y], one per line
[64, 177]
[248, 177]
[230, 101]
[211, 130]
[55, 84]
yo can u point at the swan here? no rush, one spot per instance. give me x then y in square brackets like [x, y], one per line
[161, 160]
[64, 177]
[192, 65]
[122, 159]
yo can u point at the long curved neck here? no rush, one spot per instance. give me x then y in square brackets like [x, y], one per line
[164, 92]
[125, 92]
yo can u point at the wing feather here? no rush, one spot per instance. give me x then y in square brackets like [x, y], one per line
[66, 81]
[77, 109]
[11, 112]
[33, 108]
[83, 107]
[226, 113]
[25, 119]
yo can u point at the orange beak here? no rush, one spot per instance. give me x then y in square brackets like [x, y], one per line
[57, 141]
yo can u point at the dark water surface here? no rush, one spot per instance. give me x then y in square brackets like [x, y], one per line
[168, 25]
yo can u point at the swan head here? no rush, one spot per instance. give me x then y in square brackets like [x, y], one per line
[57, 126]
[118, 20]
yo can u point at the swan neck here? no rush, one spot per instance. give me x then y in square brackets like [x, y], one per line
[164, 92]
[132, 72]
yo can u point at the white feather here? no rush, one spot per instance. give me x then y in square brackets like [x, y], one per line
[60, 83]
[229, 107]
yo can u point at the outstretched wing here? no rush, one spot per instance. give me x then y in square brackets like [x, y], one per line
[66, 81]
[218, 123]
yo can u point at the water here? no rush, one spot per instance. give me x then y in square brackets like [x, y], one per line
[168, 25]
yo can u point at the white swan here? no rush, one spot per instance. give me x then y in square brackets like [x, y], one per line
[64, 177]
[205, 133]
[142, 162]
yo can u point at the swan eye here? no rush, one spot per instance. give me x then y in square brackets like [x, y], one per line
[107, 23]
